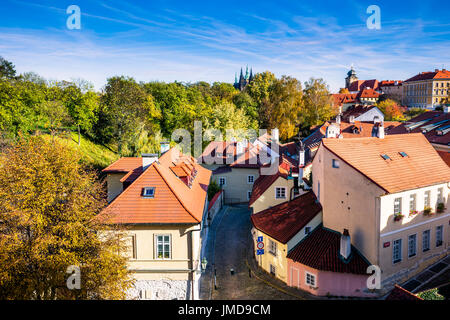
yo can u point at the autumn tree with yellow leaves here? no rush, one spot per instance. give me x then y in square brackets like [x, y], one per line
[48, 204]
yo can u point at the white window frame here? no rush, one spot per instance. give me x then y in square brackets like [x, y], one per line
[399, 205]
[253, 179]
[133, 248]
[426, 199]
[151, 195]
[440, 195]
[428, 238]
[412, 236]
[276, 193]
[412, 202]
[439, 235]
[399, 249]
[310, 279]
[224, 179]
[163, 244]
[273, 248]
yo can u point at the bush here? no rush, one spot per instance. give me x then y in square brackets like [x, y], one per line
[213, 188]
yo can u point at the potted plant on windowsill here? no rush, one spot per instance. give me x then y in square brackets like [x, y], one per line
[440, 207]
[427, 211]
[398, 217]
[413, 212]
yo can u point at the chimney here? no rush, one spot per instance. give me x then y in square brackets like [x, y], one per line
[351, 119]
[165, 146]
[436, 70]
[346, 245]
[148, 159]
[380, 133]
[301, 156]
[275, 134]
[338, 119]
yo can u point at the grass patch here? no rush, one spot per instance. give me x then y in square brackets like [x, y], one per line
[93, 154]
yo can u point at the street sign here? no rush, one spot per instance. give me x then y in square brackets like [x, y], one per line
[260, 245]
[259, 252]
[260, 239]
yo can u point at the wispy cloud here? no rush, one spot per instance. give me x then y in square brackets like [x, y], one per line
[192, 47]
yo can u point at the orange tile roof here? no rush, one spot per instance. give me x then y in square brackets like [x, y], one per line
[173, 202]
[399, 293]
[124, 164]
[286, 219]
[368, 93]
[445, 156]
[437, 74]
[422, 167]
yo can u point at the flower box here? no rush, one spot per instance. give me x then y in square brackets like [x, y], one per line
[427, 211]
[398, 217]
[440, 207]
[413, 212]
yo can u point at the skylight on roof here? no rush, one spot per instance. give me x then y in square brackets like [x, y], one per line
[385, 157]
[403, 154]
[148, 192]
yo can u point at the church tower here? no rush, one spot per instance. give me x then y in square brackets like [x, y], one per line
[244, 79]
[351, 77]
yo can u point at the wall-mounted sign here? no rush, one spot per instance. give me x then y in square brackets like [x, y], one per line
[386, 244]
[260, 239]
[259, 252]
[260, 245]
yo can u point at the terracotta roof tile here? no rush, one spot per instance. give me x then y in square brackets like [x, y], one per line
[358, 85]
[445, 156]
[285, 220]
[398, 293]
[173, 202]
[437, 74]
[320, 250]
[421, 167]
[124, 164]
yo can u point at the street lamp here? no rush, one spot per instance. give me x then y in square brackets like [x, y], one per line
[204, 263]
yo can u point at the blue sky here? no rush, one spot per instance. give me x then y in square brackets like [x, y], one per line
[209, 41]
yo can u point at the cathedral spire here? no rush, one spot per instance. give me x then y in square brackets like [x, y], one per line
[251, 75]
[246, 72]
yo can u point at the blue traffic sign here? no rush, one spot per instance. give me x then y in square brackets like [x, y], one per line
[259, 252]
[260, 239]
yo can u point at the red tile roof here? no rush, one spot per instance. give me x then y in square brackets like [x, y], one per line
[174, 201]
[390, 83]
[368, 93]
[398, 293]
[421, 167]
[265, 181]
[437, 74]
[445, 156]
[358, 85]
[358, 129]
[285, 220]
[124, 164]
[341, 98]
[214, 199]
[439, 118]
[320, 250]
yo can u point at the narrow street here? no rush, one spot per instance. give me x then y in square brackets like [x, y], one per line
[231, 231]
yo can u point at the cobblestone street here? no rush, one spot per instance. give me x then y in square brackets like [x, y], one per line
[231, 258]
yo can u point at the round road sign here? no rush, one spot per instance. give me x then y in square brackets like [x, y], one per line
[260, 245]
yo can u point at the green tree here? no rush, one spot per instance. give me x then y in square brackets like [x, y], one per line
[317, 103]
[126, 110]
[283, 107]
[48, 206]
[7, 69]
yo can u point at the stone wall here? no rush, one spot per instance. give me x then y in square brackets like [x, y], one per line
[163, 289]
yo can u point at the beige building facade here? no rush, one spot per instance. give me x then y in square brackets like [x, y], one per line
[352, 201]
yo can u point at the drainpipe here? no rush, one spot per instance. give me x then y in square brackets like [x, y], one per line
[191, 261]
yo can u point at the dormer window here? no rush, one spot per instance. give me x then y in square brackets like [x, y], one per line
[148, 192]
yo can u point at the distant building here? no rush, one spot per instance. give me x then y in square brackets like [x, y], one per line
[427, 89]
[354, 85]
[392, 89]
[244, 80]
